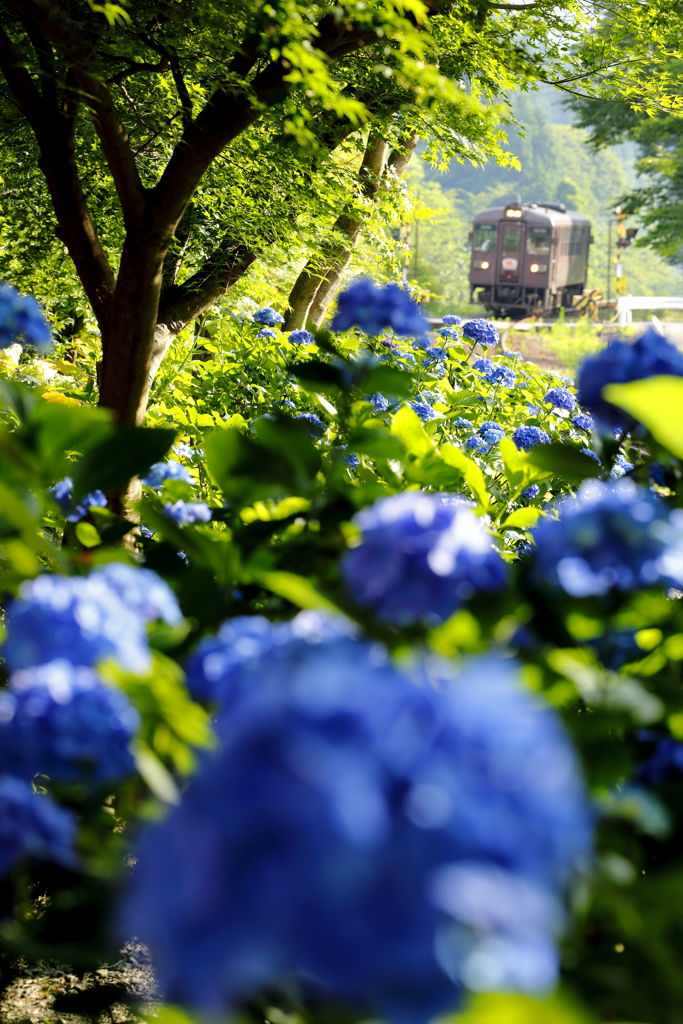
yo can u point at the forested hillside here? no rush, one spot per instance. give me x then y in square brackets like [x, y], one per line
[555, 163]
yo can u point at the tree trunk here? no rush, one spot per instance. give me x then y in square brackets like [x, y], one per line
[309, 305]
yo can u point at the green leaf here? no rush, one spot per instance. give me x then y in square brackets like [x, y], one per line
[523, 518]
[63, 428]
[296, 589]
[406, 425]
[657, 403]
[389, 381]
[564, 460]
[519, 471]
[128, 452]
[474, 477]
[377, 444]
[155, 774]
[87, 535]
[514, 1008]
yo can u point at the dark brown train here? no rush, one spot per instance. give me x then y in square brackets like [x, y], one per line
[528, 258]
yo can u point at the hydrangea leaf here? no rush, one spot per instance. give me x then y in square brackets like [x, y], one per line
[88, 536]
[296, 589]
[407, 427]
[516, 1008]
[118, 458]
[523, 518]
[657, 403]
[520, 472]
[474, 478]
[564, 460]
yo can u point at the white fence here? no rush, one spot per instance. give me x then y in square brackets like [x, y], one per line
[627, 303]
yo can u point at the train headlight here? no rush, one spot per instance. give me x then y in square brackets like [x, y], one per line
[481, 264]
[538, 268]
[513, 211]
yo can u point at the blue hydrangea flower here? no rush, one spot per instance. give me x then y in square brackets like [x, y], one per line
[141, 590]
[285, 403]
[393, 836]
[58, 719]
[32, 825]
[511, 353]
[145, 532]
[531, 492]
[374, 309]
[302, 337]
[448, 332]
[311, 423]
[170, 470]
[436, 368]
[75, 618]
[423, 410]
[583, 421]
[561, 398]
[421, 342]
[62, 492]
[591, 454]
[620, 362]
[461, 422]
[481, 331]
[491, 432]
[504, 376]
[184, 513]
[621, 466]
[420, 556]
[267, 332]
[22, 317]
[183, 450]
[613, 536]
[379, 402]
[476, 444]
[665, 761]
[268, 317]
[349, 459]
[526, 437]
[433, 354]
[212, 669]
[451, 320]
[485, 367]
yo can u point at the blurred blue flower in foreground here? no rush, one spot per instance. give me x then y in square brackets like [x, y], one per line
[84, 619]
[613, 536]
[32, 825]
[374, 309]
[302, 337]
[267, 316]
[171, 470]
[62, 492]
[59, 720]
[378, 836]
[22, 317]
[620, 362]
[311, 423]
[184, 513]
[481, 331]
[561, 398]
[420, 556]
[527, 437]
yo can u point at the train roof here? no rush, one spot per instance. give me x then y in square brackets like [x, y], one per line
[555, 214]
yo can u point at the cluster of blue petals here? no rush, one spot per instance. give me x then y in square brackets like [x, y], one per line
[375, 309]
[583, 421]
[613, 536]
[491, 432]
[481, 331]
[423, 410]
[560, 398]
[420, 556]
[531, 492]
[184, 513]
[32, 826]
[267, 332]
[528, 436]
[59, 720]
[21, 317]
[62, 492]
[379, 837]
[379, 402]
[451, 320]
[620, 362]
[302, 337]
[170, 470]
[311, 424]
[268, 317]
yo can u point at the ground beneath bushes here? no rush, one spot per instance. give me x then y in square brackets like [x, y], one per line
[108, 995]
[532, 348]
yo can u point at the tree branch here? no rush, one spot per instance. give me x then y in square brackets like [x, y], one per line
[72, 42]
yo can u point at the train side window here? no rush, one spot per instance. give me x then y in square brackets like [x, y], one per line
[511, 239]
[538, 241]
[484, 237]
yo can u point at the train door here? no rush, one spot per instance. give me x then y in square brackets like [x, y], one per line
[510, 252]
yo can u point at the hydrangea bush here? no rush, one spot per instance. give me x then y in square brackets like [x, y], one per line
[457, 771]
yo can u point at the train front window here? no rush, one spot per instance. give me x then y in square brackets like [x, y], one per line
[538, 241]
[484, 237]
[511, 237]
